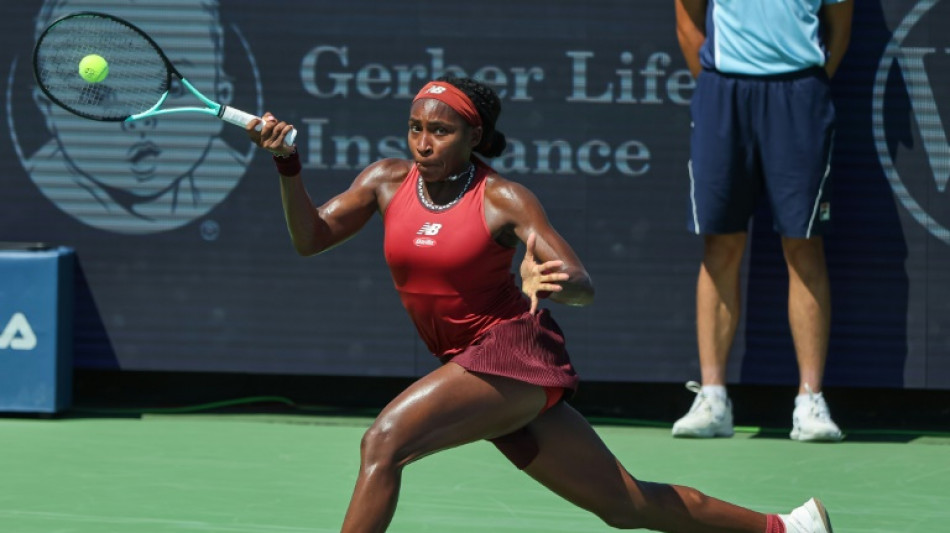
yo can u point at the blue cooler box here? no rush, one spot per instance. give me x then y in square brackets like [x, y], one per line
[36, 327]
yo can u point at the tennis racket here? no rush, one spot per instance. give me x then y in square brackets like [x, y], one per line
[139, 75]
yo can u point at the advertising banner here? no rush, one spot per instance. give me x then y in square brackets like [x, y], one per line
[183, 258]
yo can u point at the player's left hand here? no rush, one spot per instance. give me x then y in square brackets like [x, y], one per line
[538, 280]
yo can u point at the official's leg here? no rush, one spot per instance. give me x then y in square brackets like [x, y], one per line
[725, 181]
[718, 308]
[809, 315]
[575, 463]
[718, 303]
[809, 307]
[444, 409]
[796, 141]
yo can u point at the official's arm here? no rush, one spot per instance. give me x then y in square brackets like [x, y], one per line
[837, 21]
[691, 31]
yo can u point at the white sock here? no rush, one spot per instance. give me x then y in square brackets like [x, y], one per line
[715, 391]
[806, 397]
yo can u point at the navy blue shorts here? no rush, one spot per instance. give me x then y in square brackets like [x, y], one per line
[763, 135]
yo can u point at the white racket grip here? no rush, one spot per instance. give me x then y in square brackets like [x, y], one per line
[240, 118]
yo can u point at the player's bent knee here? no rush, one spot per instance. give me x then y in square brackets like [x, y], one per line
[379, 449]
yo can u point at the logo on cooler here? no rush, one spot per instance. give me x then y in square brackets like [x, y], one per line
[18, 335]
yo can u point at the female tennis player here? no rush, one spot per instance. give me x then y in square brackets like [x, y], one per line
[452, 226]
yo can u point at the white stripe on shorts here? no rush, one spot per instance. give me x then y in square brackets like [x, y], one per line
[821, 187]
[692, 196]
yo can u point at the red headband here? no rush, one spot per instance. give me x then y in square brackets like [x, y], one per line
[452, 97]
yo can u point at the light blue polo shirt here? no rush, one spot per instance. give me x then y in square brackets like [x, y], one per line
[762, 37]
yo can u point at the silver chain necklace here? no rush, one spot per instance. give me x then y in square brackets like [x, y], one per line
[420, 189]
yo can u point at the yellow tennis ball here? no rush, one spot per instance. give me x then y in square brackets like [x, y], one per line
[93, 68]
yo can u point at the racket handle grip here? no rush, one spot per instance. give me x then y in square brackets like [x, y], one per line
[240, 118]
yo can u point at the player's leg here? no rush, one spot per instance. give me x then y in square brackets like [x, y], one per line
[575, 463]
[444, 409]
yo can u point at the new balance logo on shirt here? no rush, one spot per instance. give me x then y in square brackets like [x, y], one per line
[429, 228]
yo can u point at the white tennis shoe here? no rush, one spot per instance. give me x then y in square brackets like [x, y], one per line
[811, 419]
[709, 416]
[809, 518]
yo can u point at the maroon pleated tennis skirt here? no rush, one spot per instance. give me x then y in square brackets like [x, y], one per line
[529, 348]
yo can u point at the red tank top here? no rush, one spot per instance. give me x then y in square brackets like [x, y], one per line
[454, 279]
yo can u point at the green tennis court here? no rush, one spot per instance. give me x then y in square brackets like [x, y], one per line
[275, 473]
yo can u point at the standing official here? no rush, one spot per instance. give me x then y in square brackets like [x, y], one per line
[763, 126]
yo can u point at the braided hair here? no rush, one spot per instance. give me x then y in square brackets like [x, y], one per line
[488, 104]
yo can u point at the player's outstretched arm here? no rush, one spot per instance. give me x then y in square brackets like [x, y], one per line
[316, 229]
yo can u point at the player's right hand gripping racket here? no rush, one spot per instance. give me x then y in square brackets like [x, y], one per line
[138, 76]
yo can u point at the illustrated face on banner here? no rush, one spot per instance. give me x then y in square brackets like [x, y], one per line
[156, 173]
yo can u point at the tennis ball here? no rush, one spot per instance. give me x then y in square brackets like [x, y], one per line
[93, 68]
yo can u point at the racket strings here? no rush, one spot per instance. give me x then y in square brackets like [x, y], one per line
[137, 78]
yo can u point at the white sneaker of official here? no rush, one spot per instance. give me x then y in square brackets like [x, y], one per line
[811, 419]
[709, 416]
[811, 517]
